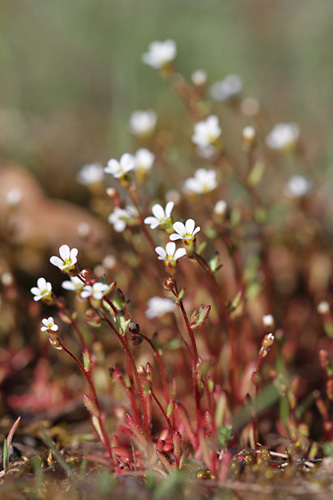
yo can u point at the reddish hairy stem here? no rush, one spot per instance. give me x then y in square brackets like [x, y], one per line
[94, 395]
[161, 367]
[136, 375]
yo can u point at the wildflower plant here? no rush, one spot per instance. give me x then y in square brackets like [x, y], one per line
[195, 355]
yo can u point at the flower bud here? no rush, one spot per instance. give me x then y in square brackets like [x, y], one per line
[87, 274]
[134, 328]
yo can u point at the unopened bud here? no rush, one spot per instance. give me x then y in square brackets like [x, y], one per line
[134, 328]
[168, 284]
[268, 340]
[87, 274]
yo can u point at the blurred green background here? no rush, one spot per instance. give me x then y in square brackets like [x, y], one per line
[71, 70]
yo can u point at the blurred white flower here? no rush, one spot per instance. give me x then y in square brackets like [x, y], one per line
[158, 307]
[160, 54]
[143, 123]
[161, 215]
[93, 173]
[297, 186]
[119, 218]
[250, 106]
[43, 289]
[74, 284]
[204, 181]
[220, 207]
[199, 77]
[185, 231]
[249, 134]
[97, 291]
[283, 136]
[173, 195]
[120, 168]
[323, 307]
[170, 254]
[268, 321]
[206, 132]
[49, 325]
[143, 159]
[68, 258]
[227, 88]
[13, 197]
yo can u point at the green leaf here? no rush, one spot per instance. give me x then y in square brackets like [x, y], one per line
[121, 323]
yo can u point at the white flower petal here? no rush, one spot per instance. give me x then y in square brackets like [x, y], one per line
[175, 237]
[170, 248]
[158, 211]
[189, 226]
[64, 252]
[161, 252]
[169, 208]
[179, 228]
[180, 252]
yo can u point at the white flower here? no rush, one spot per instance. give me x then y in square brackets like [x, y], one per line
[97, 290]
[199, 77]
[203, 181]
[74, 285]
[143, 159]
[206, 132]
[68, 258]
[42, 290]
[220, 207]
[157, 307]
[185, 231]
[93, 173]
[160, 215]
[283, 136]
[143, 123]
[120, 168]
[297, 186]
[226, 89]
[160, 54]
[119, 218]
[13, 197]
[170, 254]
[49, 324]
